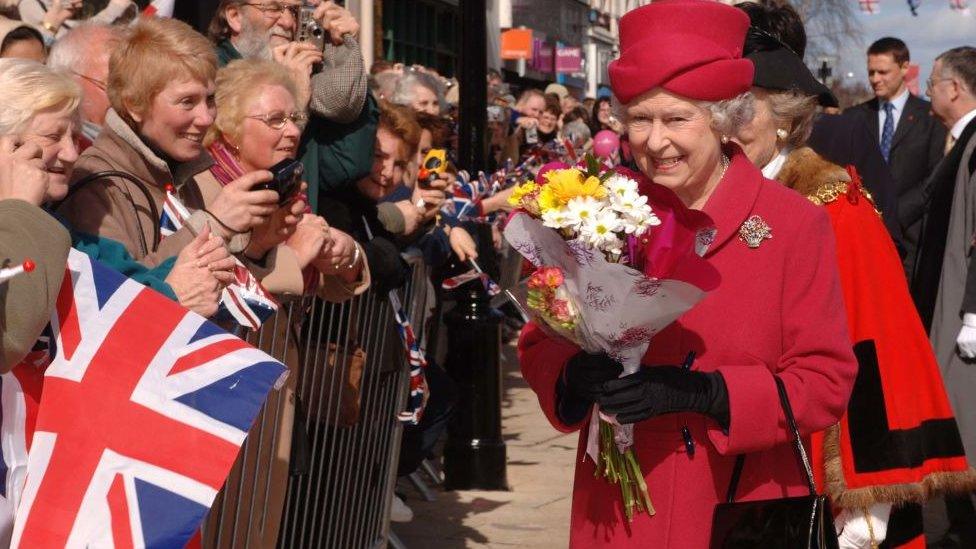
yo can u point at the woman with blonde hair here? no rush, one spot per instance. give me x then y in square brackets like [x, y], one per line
[37, 127]
[258, 125]
[160, 86]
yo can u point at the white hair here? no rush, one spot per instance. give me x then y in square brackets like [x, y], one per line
[27, 88]
[404, 93]
[728, 115]
[78, 49]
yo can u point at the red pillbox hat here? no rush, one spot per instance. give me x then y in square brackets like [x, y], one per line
[692, 48]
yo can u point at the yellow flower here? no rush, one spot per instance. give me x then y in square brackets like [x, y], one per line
[521, 191]
[547, 200]
[565, 185]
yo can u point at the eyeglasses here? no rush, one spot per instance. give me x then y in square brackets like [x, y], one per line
[101, 85]
[275, 9]
[278, 120]
[930, 83]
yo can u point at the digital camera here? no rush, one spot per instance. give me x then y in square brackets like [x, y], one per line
[286, 179]
[309, 29]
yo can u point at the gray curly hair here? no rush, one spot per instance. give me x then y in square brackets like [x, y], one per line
[404, 92]
[728, 115]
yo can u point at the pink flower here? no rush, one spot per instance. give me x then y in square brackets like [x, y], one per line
[553, 277]
[546, 278]
[559, 309]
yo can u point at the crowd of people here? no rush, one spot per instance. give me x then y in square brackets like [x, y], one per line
[838, 281]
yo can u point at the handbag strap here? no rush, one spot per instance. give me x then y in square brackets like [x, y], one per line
[801, 452]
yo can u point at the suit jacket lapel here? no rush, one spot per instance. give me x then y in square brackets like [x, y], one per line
[913, 111]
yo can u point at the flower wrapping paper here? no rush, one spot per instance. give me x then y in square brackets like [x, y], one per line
[620, 309]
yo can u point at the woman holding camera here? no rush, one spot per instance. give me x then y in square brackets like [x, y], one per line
[258, 128]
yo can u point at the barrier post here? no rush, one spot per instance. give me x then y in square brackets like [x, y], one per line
[474, 455]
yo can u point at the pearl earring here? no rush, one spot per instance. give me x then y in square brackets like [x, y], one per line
[725, 140]
[782, 134]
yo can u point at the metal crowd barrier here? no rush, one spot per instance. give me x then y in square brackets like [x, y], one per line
[317, 470]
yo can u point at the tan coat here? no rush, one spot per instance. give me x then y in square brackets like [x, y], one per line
[27, 300]
[116, 208]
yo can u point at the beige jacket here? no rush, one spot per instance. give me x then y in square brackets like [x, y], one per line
[26, 301]
[116, 208]
[282, 273]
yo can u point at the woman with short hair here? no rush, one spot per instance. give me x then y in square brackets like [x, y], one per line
[38, 123]
[258, 125]
[778, 311]
[420, 91]
[160, 85]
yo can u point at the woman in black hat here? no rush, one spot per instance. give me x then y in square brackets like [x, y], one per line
[898, 443]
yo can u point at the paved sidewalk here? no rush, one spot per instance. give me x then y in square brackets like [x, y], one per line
[534, 514]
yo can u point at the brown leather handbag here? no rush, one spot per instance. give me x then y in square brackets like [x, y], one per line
[789, 523]
[341, 379]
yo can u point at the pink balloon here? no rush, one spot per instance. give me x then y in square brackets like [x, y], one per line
[605, 143]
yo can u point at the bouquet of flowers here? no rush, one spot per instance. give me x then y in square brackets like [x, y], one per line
[617, 259]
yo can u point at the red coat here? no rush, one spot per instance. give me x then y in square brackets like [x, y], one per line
[779, 309]
[898, 442]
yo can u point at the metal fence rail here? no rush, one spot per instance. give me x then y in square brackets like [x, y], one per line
[319, 465]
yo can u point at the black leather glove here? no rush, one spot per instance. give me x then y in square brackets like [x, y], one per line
[586, 374]
[659, 390]
[582, 384]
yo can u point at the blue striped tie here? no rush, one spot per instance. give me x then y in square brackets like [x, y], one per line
[888, 132]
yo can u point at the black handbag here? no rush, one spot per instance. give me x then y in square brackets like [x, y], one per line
[803, 522]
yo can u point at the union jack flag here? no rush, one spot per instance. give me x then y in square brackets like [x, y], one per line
[144, 409]
[245, 301]
[491, 287]
[419, 392]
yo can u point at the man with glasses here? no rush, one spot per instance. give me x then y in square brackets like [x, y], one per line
[911, 141]
[84, 52]
[946, 280]
[338, 141]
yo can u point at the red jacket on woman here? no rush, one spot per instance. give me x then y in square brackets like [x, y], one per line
[779, 310]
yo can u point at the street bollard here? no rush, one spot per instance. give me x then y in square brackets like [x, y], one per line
[474, 455]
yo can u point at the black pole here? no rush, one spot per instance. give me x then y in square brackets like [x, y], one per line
[474, 455]
[472, 71]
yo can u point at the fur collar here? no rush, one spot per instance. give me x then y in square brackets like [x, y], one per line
[806, 171]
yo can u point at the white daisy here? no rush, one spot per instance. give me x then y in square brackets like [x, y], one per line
[583, 208]
[557, 219]
[600, 231]
[628, 201]
[620, 185]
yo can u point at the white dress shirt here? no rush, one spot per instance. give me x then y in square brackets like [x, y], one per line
[899, 104]
[961, 124]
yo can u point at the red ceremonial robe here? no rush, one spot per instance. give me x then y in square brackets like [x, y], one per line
[898, 442]
[779, 309]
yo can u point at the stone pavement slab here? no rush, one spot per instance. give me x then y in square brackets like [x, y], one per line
[533, 515]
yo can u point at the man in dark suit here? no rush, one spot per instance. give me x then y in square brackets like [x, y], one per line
[911, 140]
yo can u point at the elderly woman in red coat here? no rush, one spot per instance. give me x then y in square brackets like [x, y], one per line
[682, 86]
